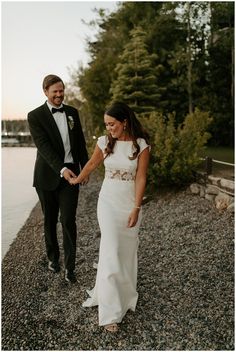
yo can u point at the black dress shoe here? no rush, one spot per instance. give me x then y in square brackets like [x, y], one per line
[54, 267]
[70, 276]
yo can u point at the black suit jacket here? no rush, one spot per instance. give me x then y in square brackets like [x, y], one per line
[50, 149]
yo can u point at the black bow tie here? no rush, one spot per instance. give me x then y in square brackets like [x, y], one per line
[57, 110]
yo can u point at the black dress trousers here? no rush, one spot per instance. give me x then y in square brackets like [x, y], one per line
[63, 200]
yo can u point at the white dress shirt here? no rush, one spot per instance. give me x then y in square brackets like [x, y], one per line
[61, 121]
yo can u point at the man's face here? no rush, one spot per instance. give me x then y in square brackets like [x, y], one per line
[55, 94]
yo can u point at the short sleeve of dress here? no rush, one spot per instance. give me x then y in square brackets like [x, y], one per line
[143, 145]
[101, 142]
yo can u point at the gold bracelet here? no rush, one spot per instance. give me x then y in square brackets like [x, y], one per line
[137, 207]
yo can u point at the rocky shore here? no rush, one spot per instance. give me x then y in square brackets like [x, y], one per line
[185, 282]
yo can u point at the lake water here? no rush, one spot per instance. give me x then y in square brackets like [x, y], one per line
[18, 195]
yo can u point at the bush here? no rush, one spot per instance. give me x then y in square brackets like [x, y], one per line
[176, 150]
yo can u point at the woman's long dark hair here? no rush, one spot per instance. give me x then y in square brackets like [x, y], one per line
[120, 111]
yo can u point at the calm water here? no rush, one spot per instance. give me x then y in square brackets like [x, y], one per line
[18, 195]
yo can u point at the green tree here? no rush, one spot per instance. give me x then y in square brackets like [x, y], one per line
[137, 76]
[192, 51]
[167, 37]
[95, 79]
[220, 96]
[189, 62]
[114, 30]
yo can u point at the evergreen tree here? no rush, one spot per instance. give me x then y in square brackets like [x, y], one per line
[189, 60]
[95, 80]
[137, 76]
[189, 55]
[220, 96]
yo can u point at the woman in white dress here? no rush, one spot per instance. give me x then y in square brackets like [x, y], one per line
[125, 153]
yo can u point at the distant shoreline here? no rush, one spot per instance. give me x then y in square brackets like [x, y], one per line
[14, 145]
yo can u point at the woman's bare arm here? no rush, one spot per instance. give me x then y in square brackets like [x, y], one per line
[90, 166]
[140, 183]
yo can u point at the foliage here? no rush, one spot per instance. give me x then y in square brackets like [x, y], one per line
[176, 150]
[188, 51]
[95, 80]
[136, 81]
[220, 97]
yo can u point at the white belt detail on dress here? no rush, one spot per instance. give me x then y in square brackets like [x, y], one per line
[122, 175]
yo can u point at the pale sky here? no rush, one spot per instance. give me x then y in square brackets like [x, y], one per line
[39, 38]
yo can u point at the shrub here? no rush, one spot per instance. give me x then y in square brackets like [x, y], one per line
[176, 150]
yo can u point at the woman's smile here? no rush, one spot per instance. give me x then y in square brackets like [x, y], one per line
[114, 127]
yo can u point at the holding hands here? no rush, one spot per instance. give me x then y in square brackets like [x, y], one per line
[91, 165]
[68, 174]
[73, 179]
[76, 179]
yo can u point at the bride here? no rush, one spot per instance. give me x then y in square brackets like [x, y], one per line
[125, 153]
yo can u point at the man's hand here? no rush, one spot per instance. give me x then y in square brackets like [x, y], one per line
[68, 174]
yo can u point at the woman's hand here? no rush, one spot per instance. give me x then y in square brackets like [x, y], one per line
[85, 181]
[73, 181]
[133, 217]
[91, 165]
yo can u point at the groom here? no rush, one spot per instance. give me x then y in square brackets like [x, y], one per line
[61, 153]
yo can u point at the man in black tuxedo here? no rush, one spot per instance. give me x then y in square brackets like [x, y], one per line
[61, 153]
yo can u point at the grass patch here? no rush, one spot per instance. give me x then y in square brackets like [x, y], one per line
[225, 154]
[220, 153]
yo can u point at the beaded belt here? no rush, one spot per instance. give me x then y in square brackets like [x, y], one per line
[121, 175]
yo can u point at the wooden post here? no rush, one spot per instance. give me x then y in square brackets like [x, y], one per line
[208, 165]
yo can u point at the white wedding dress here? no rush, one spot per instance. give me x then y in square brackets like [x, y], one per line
[115, 288]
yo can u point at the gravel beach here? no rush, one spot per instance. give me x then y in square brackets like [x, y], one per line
[185, 282]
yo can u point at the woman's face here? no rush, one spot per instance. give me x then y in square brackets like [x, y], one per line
[115, 127]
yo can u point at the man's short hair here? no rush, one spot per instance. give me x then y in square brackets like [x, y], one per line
[49, 80]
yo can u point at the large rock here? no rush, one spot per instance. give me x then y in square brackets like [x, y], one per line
[222, 201]
[194, 188]
[231, 208]
[227, 184]
[202, 191]
[214, 180]
[210, 189]
[210, 197]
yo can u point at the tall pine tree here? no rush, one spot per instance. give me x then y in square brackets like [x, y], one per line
[136, 81]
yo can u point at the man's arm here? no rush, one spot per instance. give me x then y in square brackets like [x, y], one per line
[43, 143]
